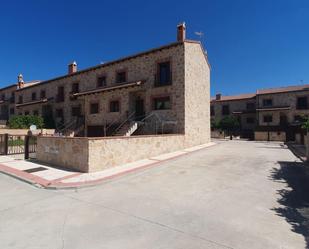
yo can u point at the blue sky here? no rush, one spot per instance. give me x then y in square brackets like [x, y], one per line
[251, 44]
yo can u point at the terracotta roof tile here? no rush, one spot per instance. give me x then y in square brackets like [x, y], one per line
[235, 97]
[284, 89]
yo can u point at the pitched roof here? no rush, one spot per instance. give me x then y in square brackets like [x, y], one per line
[173, 44]
[26, 84]
[235, 97]
[284, 89]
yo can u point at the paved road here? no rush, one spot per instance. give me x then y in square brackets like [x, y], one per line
[232, 195]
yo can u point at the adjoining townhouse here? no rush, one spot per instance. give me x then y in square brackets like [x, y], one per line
[241, 106]
[8, 98]
[281, 112]
[162, 90]
[273, 114]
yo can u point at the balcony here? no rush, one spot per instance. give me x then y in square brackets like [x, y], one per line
[273, 108]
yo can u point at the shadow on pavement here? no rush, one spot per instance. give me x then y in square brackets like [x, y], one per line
[294, 202]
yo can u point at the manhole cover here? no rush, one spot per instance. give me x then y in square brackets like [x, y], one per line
[35, 169]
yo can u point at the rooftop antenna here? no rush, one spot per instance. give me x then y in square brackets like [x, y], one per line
[200, 34]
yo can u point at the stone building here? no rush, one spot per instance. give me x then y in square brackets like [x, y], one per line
[162, 90]
[277, 112]
[243, 107]
[280, 112]
[8, 98]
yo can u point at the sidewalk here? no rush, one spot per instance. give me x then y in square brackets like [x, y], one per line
[48, 177]
[298, 150]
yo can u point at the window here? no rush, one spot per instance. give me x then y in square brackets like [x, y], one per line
[26, 112]
[33, 96]
[162, 103]
[94, 108]
[3, 97]
[75, 88]
[250, 106]
[43, 94]
[60, 95]
[225, 110]
[101, 81]
[302, 103]
[250, 120]
[212, 110]
[76, 111]
[268, 118]
[36, 113]
[12, 99]
[114, 106]
[163, 76]
[12, 111]
[121, 77]
[267, 102]
[20, 99]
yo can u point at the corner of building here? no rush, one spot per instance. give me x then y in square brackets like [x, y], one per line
[197, 95]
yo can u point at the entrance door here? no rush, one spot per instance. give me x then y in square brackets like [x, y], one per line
[47, 115]
[139, 109]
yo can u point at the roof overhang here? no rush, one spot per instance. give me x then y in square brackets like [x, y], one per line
[111, 88]
[32, 103]
[274, 108]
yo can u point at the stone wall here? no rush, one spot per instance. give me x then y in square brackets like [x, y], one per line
[66, 152]
[273, 136]
[25, 131]
[109, 152]
[95, 154]
[197, 95]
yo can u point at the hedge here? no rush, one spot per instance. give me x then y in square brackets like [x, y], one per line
[25, 121]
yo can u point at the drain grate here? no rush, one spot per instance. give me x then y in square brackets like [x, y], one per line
[35, 169]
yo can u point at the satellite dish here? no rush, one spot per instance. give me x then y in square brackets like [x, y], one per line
[32, 127]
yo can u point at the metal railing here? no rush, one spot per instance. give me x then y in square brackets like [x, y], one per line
[124, 122]
[17, 144]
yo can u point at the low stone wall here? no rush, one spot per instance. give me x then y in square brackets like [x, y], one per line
[25, 131]
[273, 136]
[95, 154]
[217, 134]
[66, 152]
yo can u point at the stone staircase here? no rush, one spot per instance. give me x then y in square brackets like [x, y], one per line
[127, 129]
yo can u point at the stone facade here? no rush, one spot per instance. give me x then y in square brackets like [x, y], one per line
[187, 91]
[243, 107]
[196, 95]
[278, 112]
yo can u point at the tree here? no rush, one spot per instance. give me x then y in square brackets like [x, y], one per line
[305, 124]
[215, 125]
[25, 121]
[229, 125]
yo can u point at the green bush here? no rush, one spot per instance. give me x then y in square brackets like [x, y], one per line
[25, 121]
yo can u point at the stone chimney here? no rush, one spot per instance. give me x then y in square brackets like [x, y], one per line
[20, 81]
[181, 32]
[72, 67]
[218, 96]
